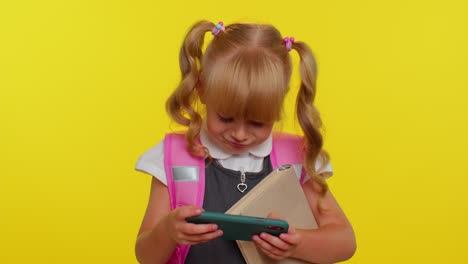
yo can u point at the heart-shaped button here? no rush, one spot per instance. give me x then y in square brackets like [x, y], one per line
[241, 187]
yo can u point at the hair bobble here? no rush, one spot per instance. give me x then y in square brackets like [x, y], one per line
[219, 27]
[288, 41]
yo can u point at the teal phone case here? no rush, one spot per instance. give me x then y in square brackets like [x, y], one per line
[239, 227]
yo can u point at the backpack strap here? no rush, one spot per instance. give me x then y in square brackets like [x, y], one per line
[185, 175]
[185, 172]
[288, 149]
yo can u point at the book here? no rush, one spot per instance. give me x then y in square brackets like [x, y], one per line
[280, 192]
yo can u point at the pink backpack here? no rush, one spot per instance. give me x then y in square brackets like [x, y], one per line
[185, 173]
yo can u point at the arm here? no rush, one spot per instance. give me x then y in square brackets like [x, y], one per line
[333, 241]
[163, 229]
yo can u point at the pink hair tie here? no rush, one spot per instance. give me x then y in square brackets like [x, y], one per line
[288, 41]
[219, 27]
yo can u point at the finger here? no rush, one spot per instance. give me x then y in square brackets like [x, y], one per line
[204, 237]
[291, 230]
[266, 248]
[276, 242]
[274, 215]
[184, 212]
[266, 245]
[291, 238]
[197, 229]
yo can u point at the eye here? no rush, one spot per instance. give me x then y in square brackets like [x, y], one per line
[225, 119]
[256, 123]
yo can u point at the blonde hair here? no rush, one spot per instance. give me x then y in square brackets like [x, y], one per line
[245, 72]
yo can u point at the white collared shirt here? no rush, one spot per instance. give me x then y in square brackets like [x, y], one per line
[251, 160]
[152, 161]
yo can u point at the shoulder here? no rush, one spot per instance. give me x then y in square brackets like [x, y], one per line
[282, 136]
[175, 141]
[292, 144]
[289, 144]
[157, 151]
[152, 162]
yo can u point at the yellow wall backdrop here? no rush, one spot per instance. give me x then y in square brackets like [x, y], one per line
[82, 92]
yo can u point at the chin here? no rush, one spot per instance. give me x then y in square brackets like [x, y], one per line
[238, 150]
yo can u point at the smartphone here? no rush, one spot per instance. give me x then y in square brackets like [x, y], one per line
[239, 227]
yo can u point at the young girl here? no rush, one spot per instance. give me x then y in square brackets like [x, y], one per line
[229, 98]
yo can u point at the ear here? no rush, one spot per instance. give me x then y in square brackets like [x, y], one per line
[200, 90]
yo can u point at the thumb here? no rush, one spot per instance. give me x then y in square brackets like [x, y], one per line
[273, 215]
[184, 212]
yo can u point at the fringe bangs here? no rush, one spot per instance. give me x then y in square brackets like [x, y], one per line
[249, 85]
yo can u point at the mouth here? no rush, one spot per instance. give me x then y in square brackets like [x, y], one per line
[237, 145]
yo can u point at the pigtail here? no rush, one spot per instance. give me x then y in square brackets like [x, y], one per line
[308, 115]
[180, 105]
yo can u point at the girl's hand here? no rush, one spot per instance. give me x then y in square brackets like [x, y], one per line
[183, 232]
[278, 247]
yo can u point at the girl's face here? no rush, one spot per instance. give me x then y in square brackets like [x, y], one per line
[235, 136]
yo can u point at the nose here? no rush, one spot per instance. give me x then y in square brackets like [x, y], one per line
[239, 133]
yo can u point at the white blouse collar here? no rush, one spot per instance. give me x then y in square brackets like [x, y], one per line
[262, 150]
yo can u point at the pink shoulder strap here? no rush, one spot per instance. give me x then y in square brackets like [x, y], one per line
[288, 149]
[185, 173]
[185, 176]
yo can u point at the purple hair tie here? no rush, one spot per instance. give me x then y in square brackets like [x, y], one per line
[288, 41]
[219, 27]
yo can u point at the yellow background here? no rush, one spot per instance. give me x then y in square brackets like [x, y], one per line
[82, 92]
